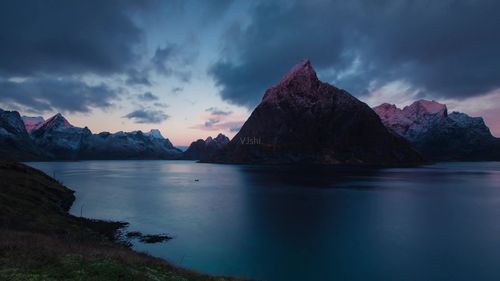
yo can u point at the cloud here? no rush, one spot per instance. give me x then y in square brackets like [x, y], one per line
[137, 77]
[162, 56]
[440, 48]
[218, 125]
[397, 92]
[68, 37]
[218, 112]
[211, 121]
[148, 96]
[144, 116]
[48, 94]
[236, 129]
[219, 120]
[161, 104]
[214, 10]
[177, 90]
[173, 60]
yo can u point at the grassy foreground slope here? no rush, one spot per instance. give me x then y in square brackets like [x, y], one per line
[39, 240]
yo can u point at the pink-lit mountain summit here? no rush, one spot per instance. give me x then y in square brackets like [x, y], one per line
[440, 135]
[303, 120]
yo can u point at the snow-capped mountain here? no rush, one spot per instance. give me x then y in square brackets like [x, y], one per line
[32, 123]
[59, 138]
[129, 145]
[413, 120]
[439, 135]
[15, 142]
[154, 133]
[303, 120]
[204, 149]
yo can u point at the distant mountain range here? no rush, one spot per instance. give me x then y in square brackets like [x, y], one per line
[33, 138]
[300, 120]
[440, 136]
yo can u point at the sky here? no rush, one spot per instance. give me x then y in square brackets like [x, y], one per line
[196, 68]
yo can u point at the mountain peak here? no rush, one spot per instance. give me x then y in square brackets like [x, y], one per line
[303, 120]
[422, 107]
[303, 71]
[221, 139]
[60, 118]
[299, 82]
[56, 121]
[154, 133]
[386, 109]
[386, 105]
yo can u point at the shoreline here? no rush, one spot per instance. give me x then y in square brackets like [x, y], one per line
[40, 240]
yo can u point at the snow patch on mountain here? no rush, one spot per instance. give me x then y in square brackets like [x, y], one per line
[414, 120]
[154, 133]
[57, 136]
[439, 135]
[129, 145]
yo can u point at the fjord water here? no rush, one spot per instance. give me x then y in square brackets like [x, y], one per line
[436, 222]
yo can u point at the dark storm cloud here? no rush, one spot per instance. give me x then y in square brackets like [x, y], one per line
[67, 37]
[172, 60]
[56, 95]
[214, 9]
[204, 13]
[445, 48]
[148, 96]
[163, 56]
[147, 116]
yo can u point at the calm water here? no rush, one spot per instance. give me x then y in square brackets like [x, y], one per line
[438, 222]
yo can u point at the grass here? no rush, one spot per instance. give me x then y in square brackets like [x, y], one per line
[39, 240]
[34, 256]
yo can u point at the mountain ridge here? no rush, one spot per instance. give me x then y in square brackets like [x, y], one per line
[205, 149]
[57, 139]
[439, 135]
[15, 142]
[303, 120]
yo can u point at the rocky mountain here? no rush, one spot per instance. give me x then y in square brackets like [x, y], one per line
[32, 123]
[15, 142]
[303, 120]
[129, 145]
[205, 149]
[439, 135]
[59, 138]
